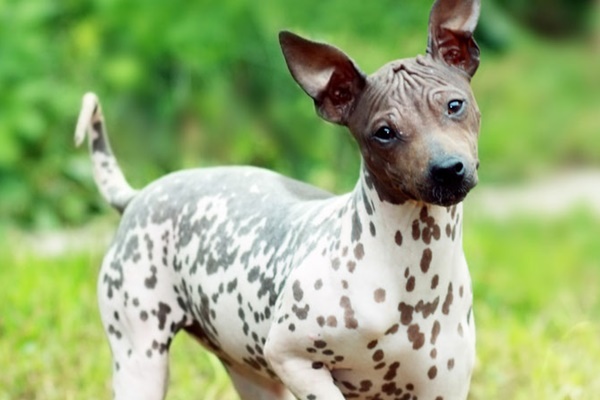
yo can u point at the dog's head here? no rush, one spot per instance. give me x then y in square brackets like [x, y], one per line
[416, 120]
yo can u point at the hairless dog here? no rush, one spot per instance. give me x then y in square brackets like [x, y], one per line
[300, 293]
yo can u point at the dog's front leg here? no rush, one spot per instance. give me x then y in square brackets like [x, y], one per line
[290, 342]
[305, 378]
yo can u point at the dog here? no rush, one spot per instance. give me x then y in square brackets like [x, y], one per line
[300, 293]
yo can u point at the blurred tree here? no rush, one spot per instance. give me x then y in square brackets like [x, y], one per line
[552, 18]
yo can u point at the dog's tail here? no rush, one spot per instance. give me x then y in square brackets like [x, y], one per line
[108, 175]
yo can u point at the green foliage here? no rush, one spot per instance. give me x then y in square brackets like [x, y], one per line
[182, 84]
[537, 308]
[188, 84]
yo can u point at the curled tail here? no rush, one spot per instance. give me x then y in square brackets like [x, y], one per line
[107, 173]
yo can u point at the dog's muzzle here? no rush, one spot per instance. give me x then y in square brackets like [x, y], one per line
[450, 180]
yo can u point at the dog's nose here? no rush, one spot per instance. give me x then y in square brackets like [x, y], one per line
[448, 171]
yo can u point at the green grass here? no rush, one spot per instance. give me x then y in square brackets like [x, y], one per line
[536, 286]
[537, 305]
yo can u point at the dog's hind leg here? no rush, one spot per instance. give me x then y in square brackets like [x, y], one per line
[141, 318]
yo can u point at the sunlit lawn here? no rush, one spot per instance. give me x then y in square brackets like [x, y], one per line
[537, 305]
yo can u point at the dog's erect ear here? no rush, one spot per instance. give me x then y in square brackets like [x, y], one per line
[328, 75]
[451, 26]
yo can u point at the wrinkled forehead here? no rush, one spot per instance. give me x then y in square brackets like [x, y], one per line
[409, 79]
[409, 87]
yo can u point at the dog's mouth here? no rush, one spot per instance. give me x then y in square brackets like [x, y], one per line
[447, 195]
[397, 190]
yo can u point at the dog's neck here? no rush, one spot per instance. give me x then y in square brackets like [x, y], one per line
[381, 223]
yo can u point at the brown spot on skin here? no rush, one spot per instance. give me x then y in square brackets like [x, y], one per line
[416, 337]
[372, 229]
[407, 272]
[426, 235]
[297, 291]
[318, 284]
[365, 385]
[351, 265]
[359, 251]
[317, 365]
[451, 364]
[435, 331]
[320, 344]
[435, 281]
[301, 313]
[378, 355]
[406, 313]
[398, 238]
[321, 320]
[390, 388]
[416, 230]
[392, 330]
[410, 284]
[460, 329]
[332, 321]
[437, 233]
[448, 230]
[432, 373]
[448, 301]
[335, 264]
[426, 260]
[424, 214]
[379, 295]
[349, 321]
[345, 251]
[379, 366]
[253, 363]
[461, 291]
[345, 284]
[392, 371]
[427, 308]
[372, 344]
[433, 353]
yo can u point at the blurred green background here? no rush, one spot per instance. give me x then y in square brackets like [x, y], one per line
[187, 84]
[201, 83]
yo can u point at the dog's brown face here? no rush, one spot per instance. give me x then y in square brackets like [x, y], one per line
[416, 120]
[417, 125]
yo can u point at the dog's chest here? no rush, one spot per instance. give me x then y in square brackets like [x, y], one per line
[422, 351]
[381, 342]
[389, 315]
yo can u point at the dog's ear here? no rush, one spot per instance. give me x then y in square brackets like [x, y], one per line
[451, 26]
[325, 73]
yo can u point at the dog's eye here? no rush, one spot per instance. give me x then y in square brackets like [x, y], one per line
[456, 107]
[384, 134]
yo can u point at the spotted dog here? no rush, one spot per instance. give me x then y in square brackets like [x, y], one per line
[300, 293]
